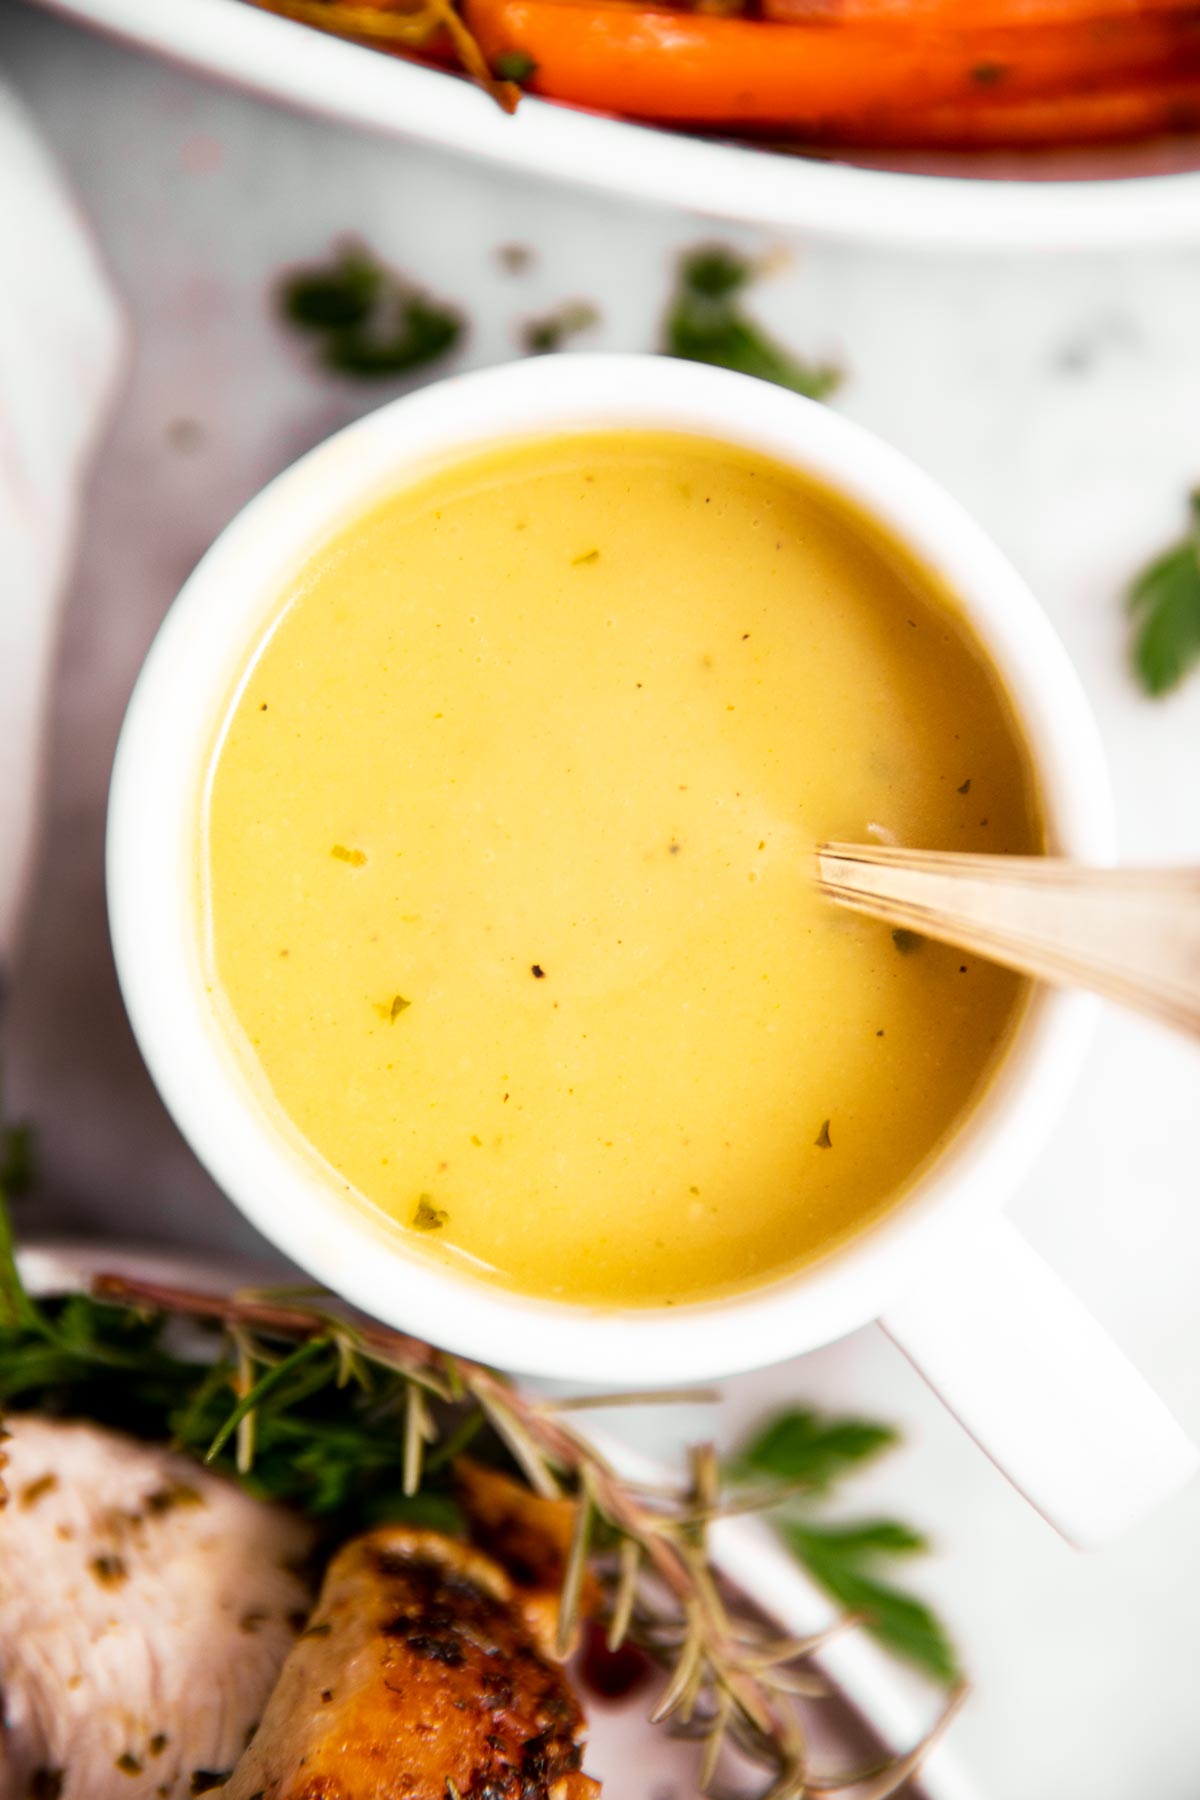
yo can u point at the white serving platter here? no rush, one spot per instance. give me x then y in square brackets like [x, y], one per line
[874, 1702]
[1126, 197]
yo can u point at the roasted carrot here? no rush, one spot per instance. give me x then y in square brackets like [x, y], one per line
[705, 70]
[962, 15]
[1103, 115]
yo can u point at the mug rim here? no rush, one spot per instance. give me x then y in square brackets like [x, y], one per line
[152, 874]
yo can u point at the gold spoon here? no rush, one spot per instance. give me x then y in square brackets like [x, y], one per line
[1132, 935]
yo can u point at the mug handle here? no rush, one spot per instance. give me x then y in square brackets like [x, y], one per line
[1041, 1387]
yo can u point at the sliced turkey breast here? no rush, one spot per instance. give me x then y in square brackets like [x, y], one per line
[146, 1607]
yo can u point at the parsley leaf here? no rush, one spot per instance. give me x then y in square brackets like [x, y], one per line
[333, 298]
[809, 1448]
[370, 321]
[1164, 602]
[802, 1449]
[705, 323]
[841, 1560]
[550, 332]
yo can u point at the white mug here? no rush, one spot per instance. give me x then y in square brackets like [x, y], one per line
[1012, 1352]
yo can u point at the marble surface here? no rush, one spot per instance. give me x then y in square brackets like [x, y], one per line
[1056, 398]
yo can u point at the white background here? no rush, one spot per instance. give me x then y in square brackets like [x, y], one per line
[1059, 401]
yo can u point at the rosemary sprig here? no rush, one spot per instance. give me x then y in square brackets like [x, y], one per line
[343, 1415]
[411, 26]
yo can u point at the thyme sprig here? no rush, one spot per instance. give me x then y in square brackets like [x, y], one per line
[356, 1422]
[404, 25]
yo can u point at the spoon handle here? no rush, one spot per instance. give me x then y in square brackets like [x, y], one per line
[1130, 934]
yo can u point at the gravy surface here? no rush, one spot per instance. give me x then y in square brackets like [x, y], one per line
[508, 865]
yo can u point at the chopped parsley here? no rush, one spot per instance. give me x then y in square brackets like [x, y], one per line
[428, 1217]
[514, 65]
[367, 319]
[391, 1009]
[907, 941]
[823, 1141]
[552, 330]
[705, 323]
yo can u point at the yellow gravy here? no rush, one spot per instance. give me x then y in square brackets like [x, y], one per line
[508, 865]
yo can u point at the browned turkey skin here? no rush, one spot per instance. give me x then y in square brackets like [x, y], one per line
[418, 1678]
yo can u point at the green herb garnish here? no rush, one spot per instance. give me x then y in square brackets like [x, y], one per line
[823, 1141]
[356, 1425]
[16, 1159]
[514, 65]
[705, 323]
[428, 1217]
[367, 319]
[551, 332]
[1164, 602]
[906, 941]
[806, 1453]
[812, 1447]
